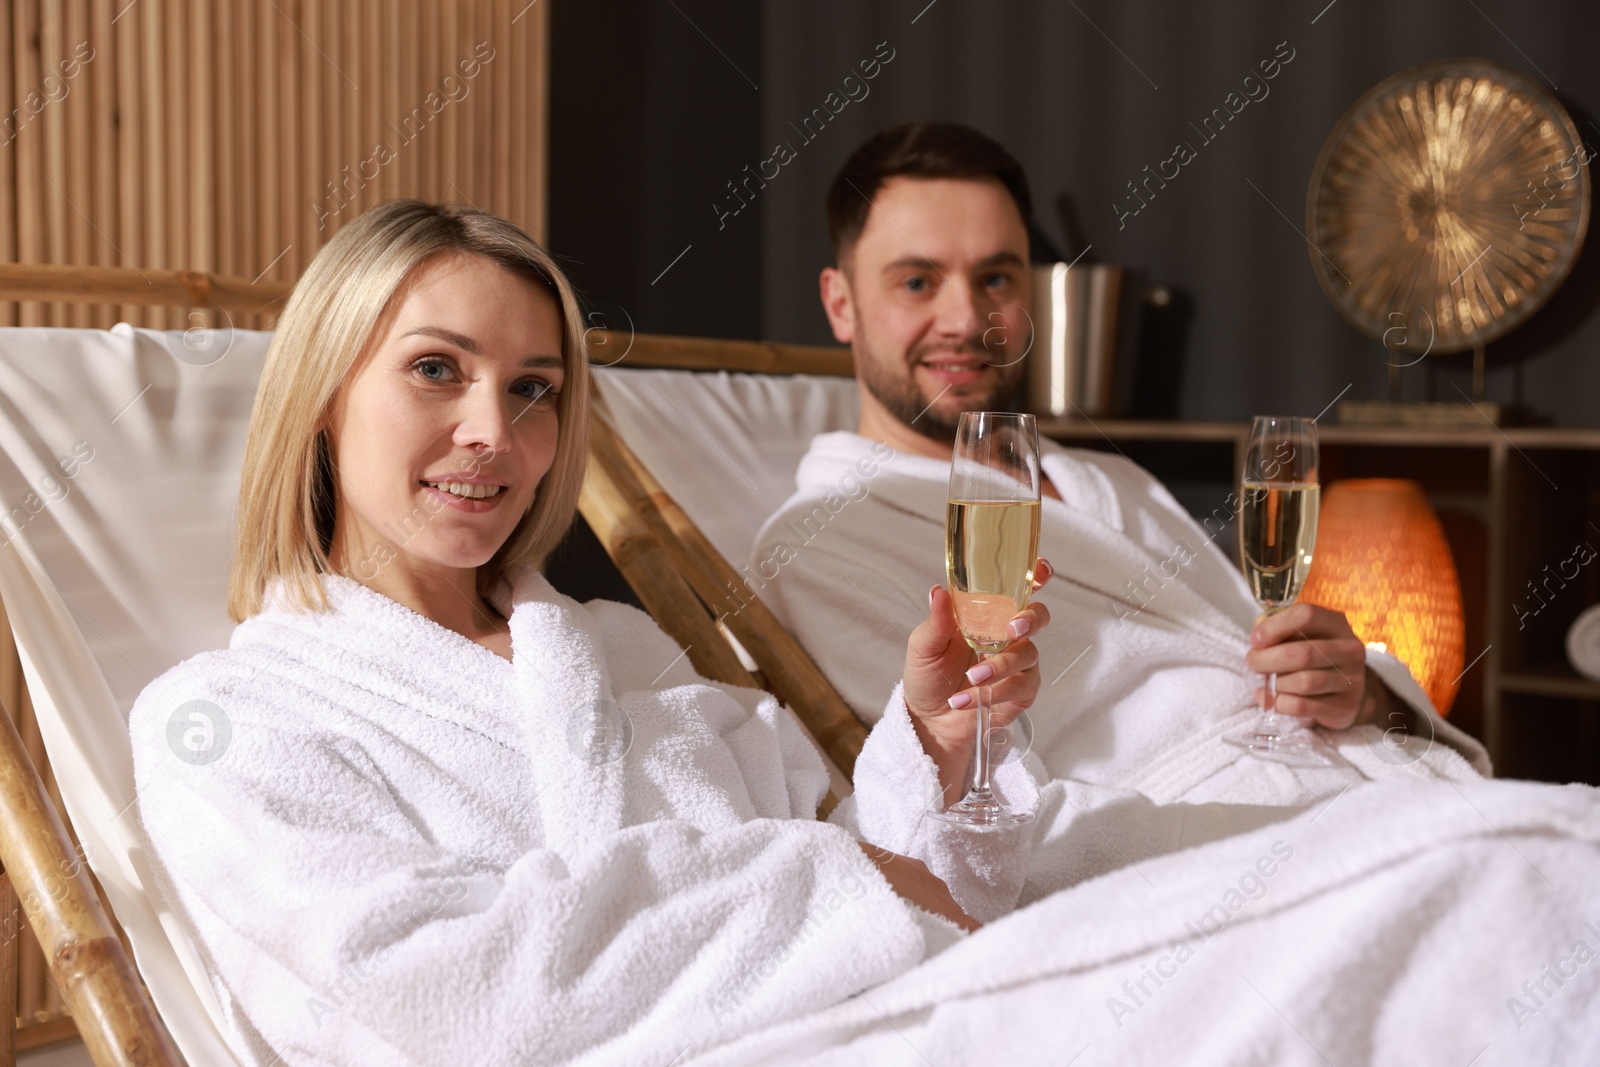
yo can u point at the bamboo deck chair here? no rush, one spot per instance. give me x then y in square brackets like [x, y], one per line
[96, 614]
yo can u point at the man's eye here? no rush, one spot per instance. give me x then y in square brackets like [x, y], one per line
[916, 285]
[997, 281]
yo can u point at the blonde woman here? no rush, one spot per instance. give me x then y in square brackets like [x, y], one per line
[458, 815]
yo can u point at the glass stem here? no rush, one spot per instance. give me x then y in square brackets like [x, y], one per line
[1270, 723]
[980, 754]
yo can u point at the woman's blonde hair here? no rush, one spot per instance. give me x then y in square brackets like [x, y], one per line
[339, 309]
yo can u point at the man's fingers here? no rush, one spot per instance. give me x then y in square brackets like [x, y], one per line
[1319, 683]
[1343, 654]
[1305, 621]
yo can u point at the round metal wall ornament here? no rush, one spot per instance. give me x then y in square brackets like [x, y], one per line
[1447, 205]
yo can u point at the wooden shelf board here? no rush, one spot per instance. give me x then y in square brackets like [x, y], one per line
[1332, 433]
[1551, 682]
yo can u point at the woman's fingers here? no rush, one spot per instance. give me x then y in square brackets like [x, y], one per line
[1011, 677]
[1029, 621]
[1042, 573]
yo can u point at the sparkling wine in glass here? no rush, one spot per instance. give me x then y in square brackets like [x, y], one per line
[1279, 495]
[991, 543]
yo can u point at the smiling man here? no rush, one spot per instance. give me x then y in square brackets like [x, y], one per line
[1156, 651]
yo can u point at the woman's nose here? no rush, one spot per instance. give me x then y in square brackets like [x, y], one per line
[485, 421]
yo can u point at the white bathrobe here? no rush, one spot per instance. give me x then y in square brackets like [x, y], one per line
[396, 847]
[1143, 663]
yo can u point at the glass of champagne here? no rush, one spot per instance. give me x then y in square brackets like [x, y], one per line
[1279, 494]
[991, 542]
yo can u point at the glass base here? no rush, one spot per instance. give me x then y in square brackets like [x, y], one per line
[1298, 747]
[979, 811]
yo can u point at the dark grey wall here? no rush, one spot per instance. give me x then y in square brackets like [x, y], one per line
[1085, 94]
[647, 120]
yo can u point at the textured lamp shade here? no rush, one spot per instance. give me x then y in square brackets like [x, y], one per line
[1381, 558]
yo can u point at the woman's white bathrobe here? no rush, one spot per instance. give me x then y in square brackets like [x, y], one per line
[396, 847]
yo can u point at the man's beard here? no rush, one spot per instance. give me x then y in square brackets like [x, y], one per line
[900, 396]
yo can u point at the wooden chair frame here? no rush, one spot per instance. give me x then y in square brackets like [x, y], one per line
[680, 578]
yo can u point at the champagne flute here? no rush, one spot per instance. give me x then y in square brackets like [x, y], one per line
[1279, 494]
[991, 542]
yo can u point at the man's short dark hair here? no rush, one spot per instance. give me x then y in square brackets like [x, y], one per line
[916, 150]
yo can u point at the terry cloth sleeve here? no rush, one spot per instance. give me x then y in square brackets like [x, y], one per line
[347, 936]
[897, 787]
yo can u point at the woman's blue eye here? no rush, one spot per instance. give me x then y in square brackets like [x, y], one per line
[425, 366]
[536, 390]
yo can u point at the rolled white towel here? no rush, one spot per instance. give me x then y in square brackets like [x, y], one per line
[1583, 643]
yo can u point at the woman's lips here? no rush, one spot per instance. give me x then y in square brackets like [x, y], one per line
[467, 504]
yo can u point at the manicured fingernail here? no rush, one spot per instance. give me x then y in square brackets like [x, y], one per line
[980, 674]
[1018, 627]
[960, 700]
[931, 594]
[1044, 564]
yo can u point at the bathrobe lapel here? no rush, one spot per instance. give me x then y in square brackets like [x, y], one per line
[577, 734]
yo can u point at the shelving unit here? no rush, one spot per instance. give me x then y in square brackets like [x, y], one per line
[1513, 502]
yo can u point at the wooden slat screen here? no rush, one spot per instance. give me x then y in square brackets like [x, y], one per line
[237, 137]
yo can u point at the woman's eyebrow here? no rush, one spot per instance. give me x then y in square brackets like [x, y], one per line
[467, 344]
[460, 340]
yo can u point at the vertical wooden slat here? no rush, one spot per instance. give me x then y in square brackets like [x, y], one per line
[410, 93]
[448, 120]
[511, 58]
[536, 106]
[9, 921]
[352, 145]
[8, 166]
[131, 173]
[150, 14]
[269, 196]
[498, 86]
[287, 135]
[385, 45]
[336, 79]
[29, 154]
[52, 123]
[77, 115]
[179, 140]
[225, 206]
[244, 47]
[202, 140]
[314, 75]
[100, 78]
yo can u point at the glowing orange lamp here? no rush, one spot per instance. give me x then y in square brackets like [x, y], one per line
[1381, 558]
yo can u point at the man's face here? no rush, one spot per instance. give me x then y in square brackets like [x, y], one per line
[933, 300]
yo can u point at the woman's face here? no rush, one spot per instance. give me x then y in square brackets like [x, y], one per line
[439, 436]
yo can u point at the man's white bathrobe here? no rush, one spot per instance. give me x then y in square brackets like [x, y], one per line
[1143, 663]
[401, 848]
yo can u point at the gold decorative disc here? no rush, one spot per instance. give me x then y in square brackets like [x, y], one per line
[1447, 205]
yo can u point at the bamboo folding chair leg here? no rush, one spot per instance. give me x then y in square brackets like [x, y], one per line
[794, 676]
[92, 970]
[10, 928]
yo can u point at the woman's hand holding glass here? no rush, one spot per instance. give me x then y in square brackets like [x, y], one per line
[940, 691]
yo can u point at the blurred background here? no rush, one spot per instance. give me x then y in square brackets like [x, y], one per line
[656, 106]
